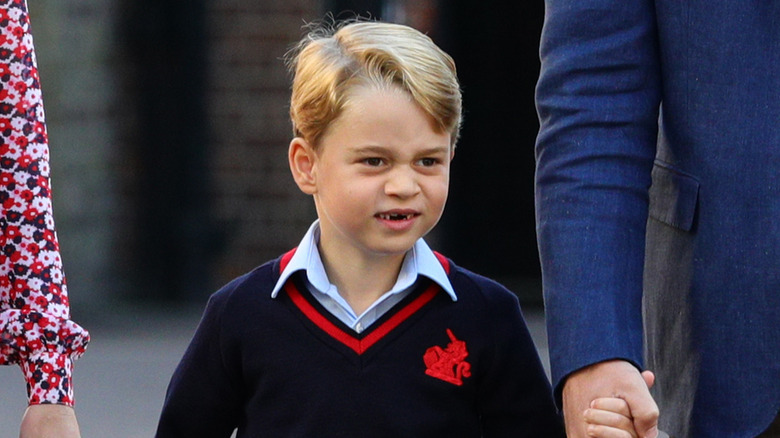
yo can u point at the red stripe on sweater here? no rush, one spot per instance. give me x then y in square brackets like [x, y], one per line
[318, 319]
[395, 320]
[444, 262]
[286, 259]
[359, 346]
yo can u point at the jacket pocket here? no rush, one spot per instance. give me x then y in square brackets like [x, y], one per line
[673, 196]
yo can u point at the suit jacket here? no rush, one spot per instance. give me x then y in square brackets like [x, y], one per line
[658, 200]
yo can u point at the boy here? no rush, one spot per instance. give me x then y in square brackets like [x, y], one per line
[363, 330]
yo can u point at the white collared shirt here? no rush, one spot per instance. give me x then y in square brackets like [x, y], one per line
[419, 260]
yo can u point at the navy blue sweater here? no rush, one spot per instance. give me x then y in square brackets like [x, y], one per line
[430, 367]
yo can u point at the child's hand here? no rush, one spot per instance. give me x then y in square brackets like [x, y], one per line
[609, 417]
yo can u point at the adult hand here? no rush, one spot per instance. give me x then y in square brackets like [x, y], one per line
[49, 421]
[614, 378]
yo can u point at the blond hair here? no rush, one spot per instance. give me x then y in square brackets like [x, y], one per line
[334, 59]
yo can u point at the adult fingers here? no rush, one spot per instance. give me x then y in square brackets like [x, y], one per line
[649, 378]
[613, 404]
[645, 413]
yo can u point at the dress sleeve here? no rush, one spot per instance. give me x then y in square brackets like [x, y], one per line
[35, 327]
[598, 100]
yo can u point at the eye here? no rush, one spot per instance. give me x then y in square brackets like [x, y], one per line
[428, 162]
[373, 161]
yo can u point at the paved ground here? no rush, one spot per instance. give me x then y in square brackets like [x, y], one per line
[121, 381]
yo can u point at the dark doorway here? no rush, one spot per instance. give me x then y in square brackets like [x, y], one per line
[165, 46]
[489, 223]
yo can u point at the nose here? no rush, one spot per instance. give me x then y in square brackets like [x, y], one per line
[402, 182]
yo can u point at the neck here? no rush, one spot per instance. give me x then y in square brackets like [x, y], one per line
[361, 280]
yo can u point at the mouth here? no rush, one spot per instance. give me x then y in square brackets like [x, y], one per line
[396, 216]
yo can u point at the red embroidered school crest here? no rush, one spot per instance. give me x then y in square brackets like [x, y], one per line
[448, 364]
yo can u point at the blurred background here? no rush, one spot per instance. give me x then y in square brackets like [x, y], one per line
[168, 127]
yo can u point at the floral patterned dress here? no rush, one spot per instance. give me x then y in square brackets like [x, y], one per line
[35, 327]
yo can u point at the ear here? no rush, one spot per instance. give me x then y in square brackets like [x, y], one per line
[302, 162]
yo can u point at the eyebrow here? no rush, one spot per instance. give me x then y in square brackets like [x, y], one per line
[381, 149]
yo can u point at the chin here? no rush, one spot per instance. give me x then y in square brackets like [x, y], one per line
[392, 250]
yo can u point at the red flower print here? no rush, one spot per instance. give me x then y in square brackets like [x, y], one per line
[35, 344]
[22, 105]
[42, 302]
[9, 204]
[12, 232]
[55, 290]
[33, 249]
[20, 87]
[33, 296]
[17, 256]
[54, 380]
[6, 178]
[31, 214]
[49, 236]
[37, 268]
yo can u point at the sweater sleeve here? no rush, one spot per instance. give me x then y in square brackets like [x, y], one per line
[515, 397]
[203, 397]
[598, 101]
[35, 327]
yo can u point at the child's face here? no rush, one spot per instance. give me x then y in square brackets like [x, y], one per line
[381, 176]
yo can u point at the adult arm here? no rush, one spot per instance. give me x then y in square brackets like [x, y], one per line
[598, 97]
[49, 420]
[35, 327]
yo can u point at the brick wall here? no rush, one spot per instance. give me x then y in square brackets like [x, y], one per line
[256, 199]
[87, 97]
[74, 54]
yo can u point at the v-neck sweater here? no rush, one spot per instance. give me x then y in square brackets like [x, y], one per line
[429, 367]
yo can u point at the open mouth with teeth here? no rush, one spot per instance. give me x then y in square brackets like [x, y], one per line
[396, 216]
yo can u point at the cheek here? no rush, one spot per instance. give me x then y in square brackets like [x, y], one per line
[348, 195]
[438, 191]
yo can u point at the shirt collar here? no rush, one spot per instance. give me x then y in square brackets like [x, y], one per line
[419, 260]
